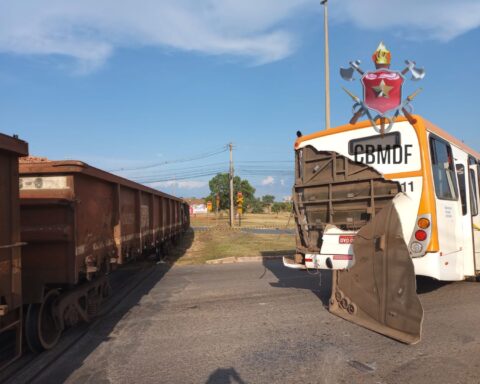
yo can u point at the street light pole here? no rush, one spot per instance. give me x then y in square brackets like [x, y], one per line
[327, 65]
[230, 146]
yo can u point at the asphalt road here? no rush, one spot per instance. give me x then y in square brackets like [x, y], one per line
[254, 323]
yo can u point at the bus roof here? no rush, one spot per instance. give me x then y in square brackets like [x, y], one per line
[421, 124]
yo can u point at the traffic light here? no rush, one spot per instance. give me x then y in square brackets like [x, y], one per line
[239, 202]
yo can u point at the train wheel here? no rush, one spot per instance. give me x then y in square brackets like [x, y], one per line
[41, 328]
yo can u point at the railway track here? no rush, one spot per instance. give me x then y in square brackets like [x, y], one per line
[124, 282]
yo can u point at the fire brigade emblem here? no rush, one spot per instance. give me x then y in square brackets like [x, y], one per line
[382, 90]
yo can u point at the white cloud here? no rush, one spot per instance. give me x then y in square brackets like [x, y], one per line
[181, 184]
[282, 182]
[269, 180]
[441, 20]
[89, 31]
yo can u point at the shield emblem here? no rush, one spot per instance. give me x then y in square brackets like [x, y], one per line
[382, 90]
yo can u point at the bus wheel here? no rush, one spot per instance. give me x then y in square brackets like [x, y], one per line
[42, 330]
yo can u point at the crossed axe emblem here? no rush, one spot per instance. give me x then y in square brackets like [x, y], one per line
[347, 73]
[382, 60]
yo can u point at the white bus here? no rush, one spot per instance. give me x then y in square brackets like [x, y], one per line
[345, 178]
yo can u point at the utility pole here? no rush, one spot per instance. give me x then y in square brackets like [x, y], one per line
[327, 65]
[232, 207]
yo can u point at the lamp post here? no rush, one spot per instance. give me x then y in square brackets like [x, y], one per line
[327, 65]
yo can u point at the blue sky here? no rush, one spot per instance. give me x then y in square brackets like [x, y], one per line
[127, 84]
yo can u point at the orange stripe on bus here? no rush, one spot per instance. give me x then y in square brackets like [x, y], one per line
[427, 200]
[342, 128]
[403, 175]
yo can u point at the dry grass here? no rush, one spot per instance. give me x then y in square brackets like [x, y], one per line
[267, 220]
[199, 246]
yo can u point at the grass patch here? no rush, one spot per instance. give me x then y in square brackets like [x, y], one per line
[200, 246]
[267, 220]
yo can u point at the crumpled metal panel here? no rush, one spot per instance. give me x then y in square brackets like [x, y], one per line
[332, 189]
[379, 291]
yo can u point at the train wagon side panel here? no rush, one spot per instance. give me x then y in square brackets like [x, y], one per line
[48, 228]
[146, 221]
[168, 215]
[10, 251]
[95, 222]
[172, 218]
[156, 219]
[164, 217]
[178, 224]
[130, 223]
[185, 212]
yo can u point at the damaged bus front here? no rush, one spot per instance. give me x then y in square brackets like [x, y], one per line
[358, 198]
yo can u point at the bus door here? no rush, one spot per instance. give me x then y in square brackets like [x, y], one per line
[474, 202]
[449, 222]
[466, 197]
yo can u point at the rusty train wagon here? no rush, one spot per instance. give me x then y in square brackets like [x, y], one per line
[10, 251]
[79, 223]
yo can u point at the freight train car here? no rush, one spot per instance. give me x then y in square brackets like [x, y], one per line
[79, 223]
[10, 249]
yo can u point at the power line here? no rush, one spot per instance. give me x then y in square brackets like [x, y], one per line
[201, 171]
[244, 174]
[176, 178]
[175, 171]
[185, 175]
[246, 168]
[266, 161]
[182, 160]
[263, 168]
[205, 167]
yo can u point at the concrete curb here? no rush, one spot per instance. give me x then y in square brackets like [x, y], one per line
[244, 259]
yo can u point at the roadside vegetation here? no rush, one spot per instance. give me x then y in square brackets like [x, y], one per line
[281, 220]
[211, 236]
[219, 197]
[197, 247]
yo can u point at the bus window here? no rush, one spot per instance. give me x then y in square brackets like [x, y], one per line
[473, 193]
[461, 185]
[473, 186]
[374, 143]
[443, 171]
[478, 172]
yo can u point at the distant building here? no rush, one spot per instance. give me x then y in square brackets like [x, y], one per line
[197, 205]
[199, 208]
[287, 199]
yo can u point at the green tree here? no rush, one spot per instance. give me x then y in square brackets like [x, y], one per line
[221, 184]
[268, 199]
[287, 206]
[256, 206]
[277, 207]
